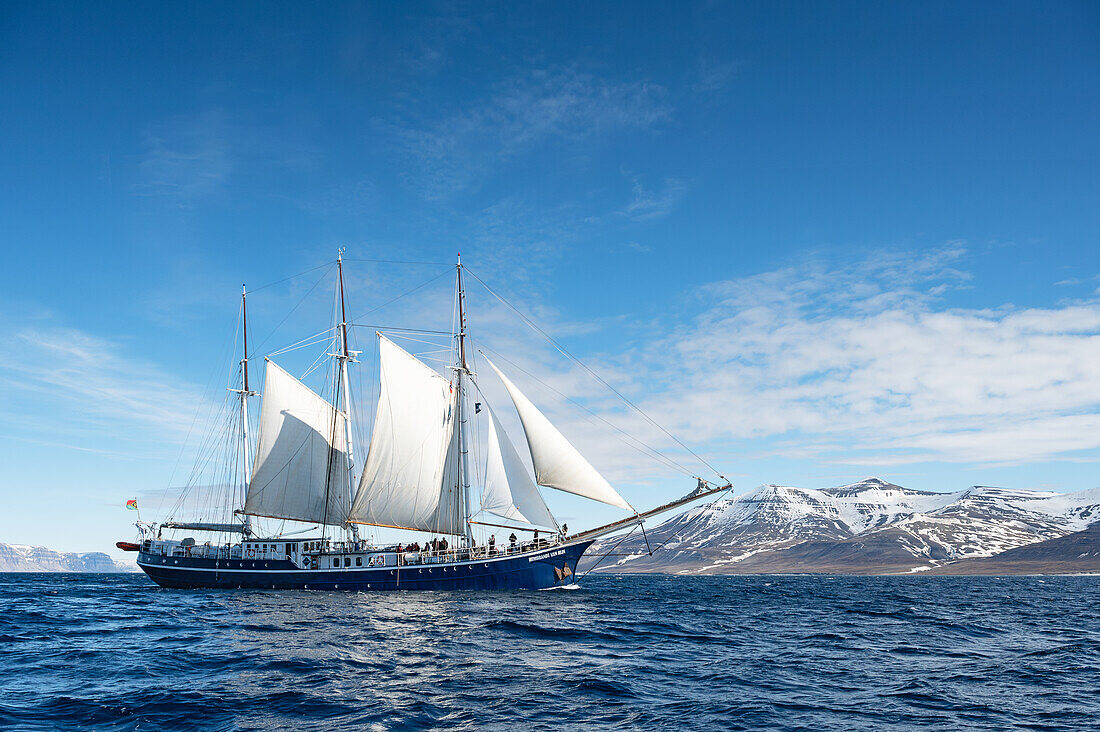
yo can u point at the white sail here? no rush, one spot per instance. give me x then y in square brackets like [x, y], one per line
[557, 463]
[300, 471]
[509, 491]
[410, 478]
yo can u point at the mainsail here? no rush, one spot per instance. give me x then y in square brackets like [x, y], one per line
[557, 463]
[509, 491]
[411, 476]
[301, 469]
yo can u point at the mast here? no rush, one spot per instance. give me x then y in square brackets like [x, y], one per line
[344, 357]
[463, 371]
[244, 394]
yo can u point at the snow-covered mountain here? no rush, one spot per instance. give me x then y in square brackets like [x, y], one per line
[23, 558]
[871, 526]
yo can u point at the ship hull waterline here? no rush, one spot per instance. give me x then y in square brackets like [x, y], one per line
[554, 566]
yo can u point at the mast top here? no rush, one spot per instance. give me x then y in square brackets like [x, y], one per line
[461, 319]
[343, 311]
[244, 331]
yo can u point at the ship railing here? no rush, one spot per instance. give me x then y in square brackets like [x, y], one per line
[462, 554]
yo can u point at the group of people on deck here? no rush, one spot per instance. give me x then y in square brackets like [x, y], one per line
[436, 545]
[513, 539]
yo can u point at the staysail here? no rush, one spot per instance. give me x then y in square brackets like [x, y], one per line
[509, 491]
[411, 476]
[557, 463]
[301, 469]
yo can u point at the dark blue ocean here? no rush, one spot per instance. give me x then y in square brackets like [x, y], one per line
[113, 652]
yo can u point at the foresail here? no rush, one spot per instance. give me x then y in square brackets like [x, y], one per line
[301, 469]
[411, 478]
[557, 463]
[509, 491]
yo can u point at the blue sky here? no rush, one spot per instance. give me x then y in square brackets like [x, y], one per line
[818, 242]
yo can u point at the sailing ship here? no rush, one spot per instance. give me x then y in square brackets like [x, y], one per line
[416, 477]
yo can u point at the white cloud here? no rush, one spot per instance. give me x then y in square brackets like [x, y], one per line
[864, 363]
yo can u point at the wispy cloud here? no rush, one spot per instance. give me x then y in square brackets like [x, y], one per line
[710, 76]
[189, 158]
[455, 151]
[653, 203]
[186, 157]
[71, 389]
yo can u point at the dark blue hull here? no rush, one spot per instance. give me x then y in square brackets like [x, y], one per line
[551, 567]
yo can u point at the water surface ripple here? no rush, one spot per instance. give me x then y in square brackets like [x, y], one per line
[114, 652]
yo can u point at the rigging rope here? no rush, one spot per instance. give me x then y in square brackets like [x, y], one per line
[593, 374]
[400, 261]
[287, 279]
[324, 274]
[395, 299]
[641, 447]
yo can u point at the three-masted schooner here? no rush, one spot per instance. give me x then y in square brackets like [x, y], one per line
[416, 477]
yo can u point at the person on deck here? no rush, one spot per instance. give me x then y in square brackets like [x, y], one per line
[443, 544]
[564, 530]
[512, 539]
[492, 544]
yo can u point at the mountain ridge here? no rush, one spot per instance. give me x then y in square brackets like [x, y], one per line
[26, 558]
[868, 527]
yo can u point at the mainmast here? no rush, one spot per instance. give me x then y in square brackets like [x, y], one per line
[345, 356]
[463, 372]
[244, 393]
